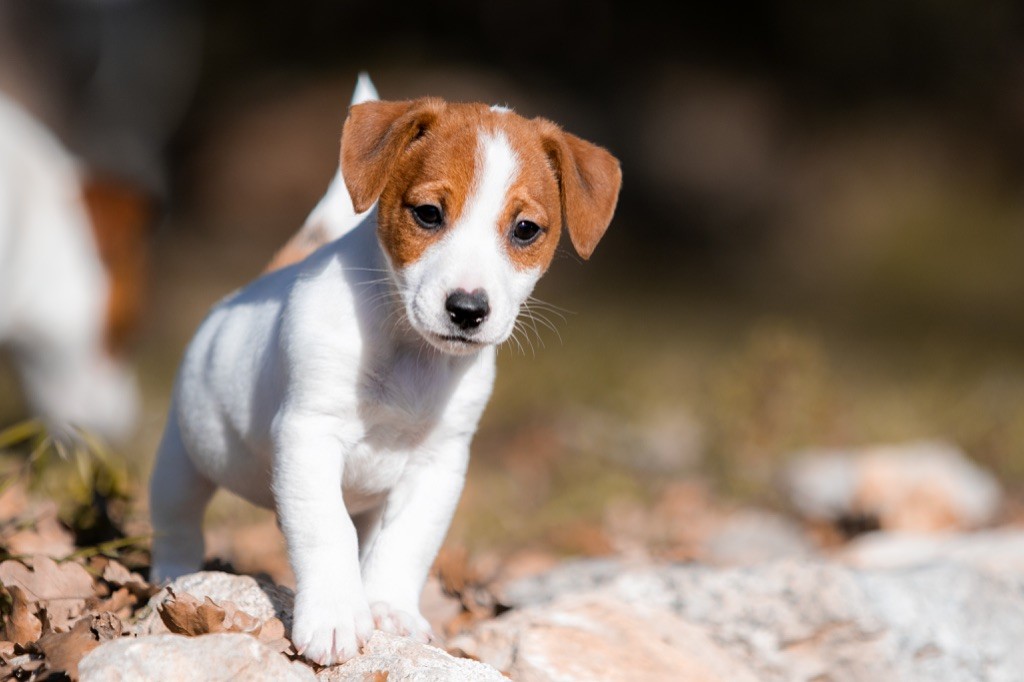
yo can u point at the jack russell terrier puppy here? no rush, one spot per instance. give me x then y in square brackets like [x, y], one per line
[343, 390]
[55, 293]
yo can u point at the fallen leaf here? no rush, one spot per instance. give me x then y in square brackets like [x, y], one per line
[63, 650]
[116, 573]
[44, 535]
[272, 634]
[60, 589]
[21, 666]
[106, 626]
[22, 626]
[183, 614]
[120, 603]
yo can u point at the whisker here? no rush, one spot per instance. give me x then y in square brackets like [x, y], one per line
[550, 307]
[540, 317]
[528, 314]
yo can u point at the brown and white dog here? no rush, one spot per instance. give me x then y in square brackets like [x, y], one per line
[343, 390]
[61, 310]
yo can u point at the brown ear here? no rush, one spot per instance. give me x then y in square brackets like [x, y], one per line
[589, 181]
[375, 135]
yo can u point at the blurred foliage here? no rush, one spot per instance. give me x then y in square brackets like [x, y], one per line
[91, 485]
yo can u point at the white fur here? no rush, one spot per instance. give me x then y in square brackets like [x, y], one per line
[53, 288]
[319, 390]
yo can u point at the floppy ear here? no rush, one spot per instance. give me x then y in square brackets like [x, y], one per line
[373, 138]
[589, 179]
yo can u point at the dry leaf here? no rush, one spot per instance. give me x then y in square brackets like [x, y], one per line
[63, 650]
[106, 626]
[183, 614]
[44, 535]
[116, 574]
[60, 589]
[120, 603]
[21, 666]
[22, 626]
[271, 633]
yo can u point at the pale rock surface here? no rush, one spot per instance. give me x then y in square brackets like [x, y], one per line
[587, 637]
[783, 621]
[920, 486]
[996, 550]
[400, 657]
[260, 599]
[748, 537]
[169, 658]
[404, 659]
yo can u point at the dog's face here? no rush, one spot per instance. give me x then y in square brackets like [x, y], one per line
[471, 203]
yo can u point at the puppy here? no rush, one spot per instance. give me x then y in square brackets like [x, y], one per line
[55, 293]
[343, 390]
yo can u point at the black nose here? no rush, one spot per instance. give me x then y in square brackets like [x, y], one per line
[467, 310]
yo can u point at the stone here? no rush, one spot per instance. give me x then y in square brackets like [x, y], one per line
[259, 598]
[390, 657]
[787, 620]
[995, 550]
[920, 486]
[748, 537]
[210, 658]
[586, 637]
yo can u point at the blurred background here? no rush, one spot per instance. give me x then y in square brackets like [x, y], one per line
[818, 244]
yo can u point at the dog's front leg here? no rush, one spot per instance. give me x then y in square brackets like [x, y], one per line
[411, 528]
[332, 618]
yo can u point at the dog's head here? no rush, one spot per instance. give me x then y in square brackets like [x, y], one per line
[471, 201]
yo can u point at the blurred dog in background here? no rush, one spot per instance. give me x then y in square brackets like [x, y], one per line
[55, 293]
[92, 94]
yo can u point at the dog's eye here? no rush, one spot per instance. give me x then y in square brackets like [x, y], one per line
[525, 232]
[428, 216]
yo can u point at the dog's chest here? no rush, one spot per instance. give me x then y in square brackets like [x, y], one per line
[413, 407]
[405, 396]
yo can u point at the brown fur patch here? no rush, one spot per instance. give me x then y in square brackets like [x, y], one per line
[121, 218]
[306, 241]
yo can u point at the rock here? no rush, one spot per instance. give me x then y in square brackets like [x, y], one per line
[261, 599]
[791, 620]
[749, 537]
[665, 441]
[922, 486]
[390, 657]
[400, 657]
[210, 658]
[572, 576]
[995, 550]
[600, 638]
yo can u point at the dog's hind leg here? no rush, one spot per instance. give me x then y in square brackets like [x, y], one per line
[178, 496]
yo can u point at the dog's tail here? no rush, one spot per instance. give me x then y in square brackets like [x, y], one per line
[334, 215]
[364, 92]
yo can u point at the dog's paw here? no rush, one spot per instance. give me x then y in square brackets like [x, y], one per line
[408, 623]
[329, 630]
